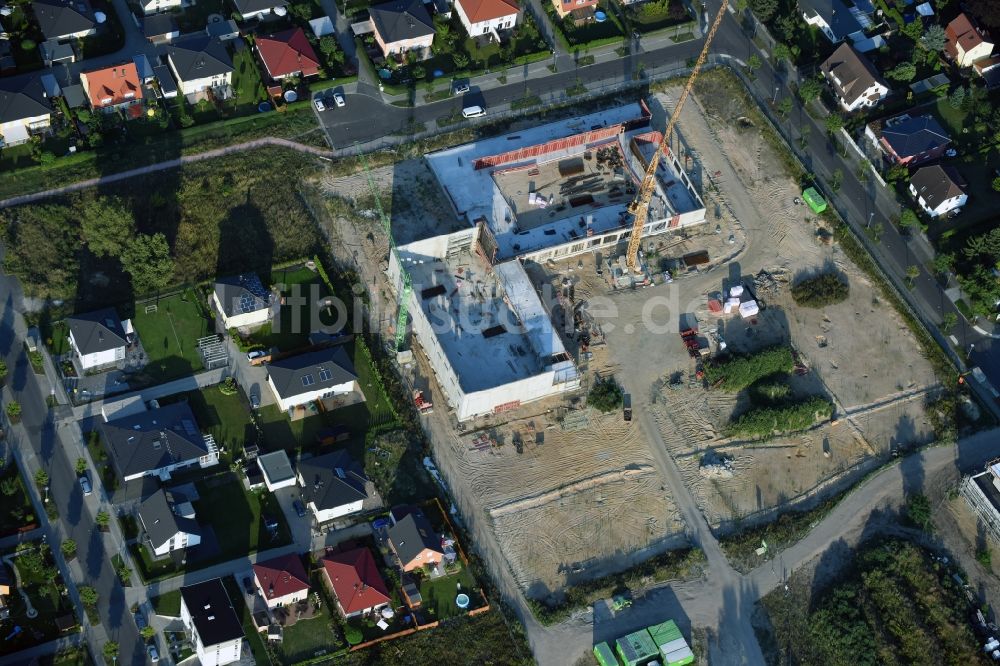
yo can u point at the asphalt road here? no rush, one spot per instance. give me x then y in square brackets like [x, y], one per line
[57, 454]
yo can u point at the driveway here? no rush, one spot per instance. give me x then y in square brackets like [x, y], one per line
[253, 378]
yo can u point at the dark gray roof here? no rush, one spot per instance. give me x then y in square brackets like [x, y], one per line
[22, 97]
[333, 480]
[155, 439]
[276, 466]
[937, 183]
[199, 57]
[57, 18]
[853, 73]
[251, 6]
[914, 135]
[159, 520]
[401, 19]
[97, 331]
[74, 95]
[222, 28]
[311, 371]
[411, 534]
[241, 294]
[836, 15]
[212, 612]
[158, 25]
[165, 79]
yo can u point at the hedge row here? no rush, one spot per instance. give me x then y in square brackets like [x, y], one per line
[739, 372]
[768, 421]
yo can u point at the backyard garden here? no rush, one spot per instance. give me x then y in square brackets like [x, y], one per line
[590, 34]
[24, 36]
[41, 581]
[169, 328]
[16, 512]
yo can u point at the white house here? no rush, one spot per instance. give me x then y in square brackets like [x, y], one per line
[24, 110]
[482, 17]
[99, 338]
[282, 581]
[168, 520]
[242, 301]
[199, 65]
[305, 378]
[277, 470]
[938, 190]
[158, 6]
[854, 79]
[333, 485]
[251, 9]
[403, 26]
[209, 617]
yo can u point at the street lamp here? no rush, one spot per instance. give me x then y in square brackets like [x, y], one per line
[775, 100]
[46, 494]
[870, 217]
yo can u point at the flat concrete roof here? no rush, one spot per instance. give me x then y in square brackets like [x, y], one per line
[276, 467]
[492, 327]
[499, 197]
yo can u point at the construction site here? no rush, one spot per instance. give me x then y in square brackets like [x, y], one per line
[510, 325]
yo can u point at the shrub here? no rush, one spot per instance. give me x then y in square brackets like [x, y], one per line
[229, 386]
[14, 410]
[68, 548]
[88, 595]
[821, 290]
[605, 395]
[770, 389]
[353, 635]
[739, 372]
[766, 421]
[918, 511]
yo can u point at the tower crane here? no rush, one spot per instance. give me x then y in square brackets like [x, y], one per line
[639, 207]
[407, 287]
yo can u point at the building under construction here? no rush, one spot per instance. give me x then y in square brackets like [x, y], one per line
[547, 192]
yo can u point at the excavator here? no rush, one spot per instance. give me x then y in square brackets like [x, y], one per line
[639, 207]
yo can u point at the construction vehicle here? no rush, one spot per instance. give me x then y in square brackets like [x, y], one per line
[423, 406]
[627, 406]
[639, 207]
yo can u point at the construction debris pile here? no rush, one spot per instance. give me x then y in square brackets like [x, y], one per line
[715, 465]
[768, 285]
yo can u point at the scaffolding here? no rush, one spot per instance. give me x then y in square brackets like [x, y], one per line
[213, 351]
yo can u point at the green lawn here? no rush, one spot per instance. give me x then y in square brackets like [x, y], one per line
[301, 288]
[57, 338]
[168, 603]
[224, 417]
[246, 79]
[308, 638]
[439, 594]
[15, 508]
[170, 335]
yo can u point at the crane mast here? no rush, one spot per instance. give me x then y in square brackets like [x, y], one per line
[639, 207]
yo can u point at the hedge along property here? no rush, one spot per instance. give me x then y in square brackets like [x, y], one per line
[486, 332]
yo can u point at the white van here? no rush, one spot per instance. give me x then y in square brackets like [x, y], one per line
[473, 111]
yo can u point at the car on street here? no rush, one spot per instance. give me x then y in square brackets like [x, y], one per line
[460, 88]
[300, 509]
[140, 620]
[318, 103]
[85, 485]
[154, 656]
[255, 354]
[254, 398]
[339, 100]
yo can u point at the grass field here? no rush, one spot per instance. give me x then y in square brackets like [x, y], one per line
[308, 638]
[168, 604]
[439, 594]
[298, 316]
[170, 335]
[225, 417]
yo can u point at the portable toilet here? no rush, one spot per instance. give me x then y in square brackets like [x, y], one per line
[637, 648]
[605, 655]
[671, 644]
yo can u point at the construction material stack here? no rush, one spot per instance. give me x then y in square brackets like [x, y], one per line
[637, 648]
[605, 656]
[671, 644]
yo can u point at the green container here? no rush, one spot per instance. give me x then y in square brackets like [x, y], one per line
[605, 655]
[665, 632]
[815, 200]
[637, 648]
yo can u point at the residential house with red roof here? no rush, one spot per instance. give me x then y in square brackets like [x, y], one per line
[582, 10]
[282, 581]
[966, 42]
[355, 581]
[483, 17]
[113, 87]
[287, 53]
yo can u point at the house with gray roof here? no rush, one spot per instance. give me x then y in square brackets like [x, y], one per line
[277, 470]
[311, 376]
[414, 541]
[403, 26]
[334, 485]
[99, 339]
[201, 64]
[854, 79]
[168, 520]
[249, 9]
[834, 19]
[158, 442]
[242, 301]
[24, 109]
[938, 190]
[160, 28]
[909, 140]
[62, 19]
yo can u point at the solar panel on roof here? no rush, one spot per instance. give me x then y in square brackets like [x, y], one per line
[189, 427]
[307, 380]
[324, 375]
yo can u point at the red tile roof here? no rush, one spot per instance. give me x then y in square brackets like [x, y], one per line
[961, 31]
[288, 52]
[281, 576]
[487, 10]
[113, 85]
[356, 580]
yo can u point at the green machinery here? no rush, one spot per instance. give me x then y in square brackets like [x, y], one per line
[407, 288]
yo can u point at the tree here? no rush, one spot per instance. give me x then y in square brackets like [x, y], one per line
[834, 123]
[957, 98]
[102, 519]
[785, 107]
[110, 650]
[821, 290]
[81, 465]
[764, 9]
[9, 487]
[836, 179]
[88, 595]
[68, 548]
[106, 224]
[934, 39]
[146, 257]
[605, 395]
[782, 52]
[147, 632]
[948, 321]
[328, 45]
[904, 72]
[14, 410]
[995, 185]
[460, 60]
[125, 574]
[353, 635]
[753, 62]
[908, 219]
[41, 478]
[912, 273]
[3, 369]
[918, 511]
[914, 30]
[944, 263]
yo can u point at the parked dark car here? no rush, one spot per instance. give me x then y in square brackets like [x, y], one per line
[300, 509]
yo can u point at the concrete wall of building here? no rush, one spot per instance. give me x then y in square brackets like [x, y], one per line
[179, 541]
[33, 124]
[157, 6]
[336, 512]
[97, 359]
[247, 319]
[484, 27]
